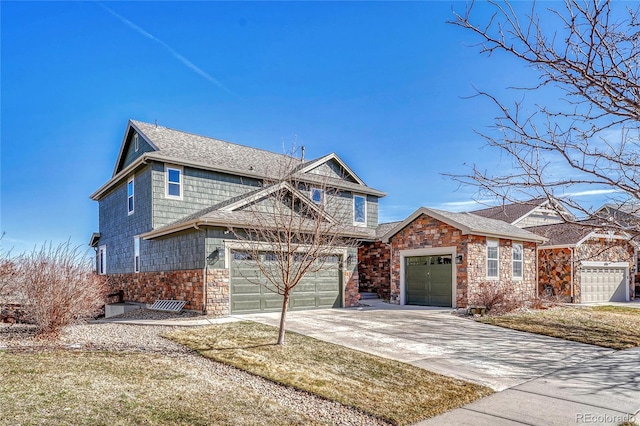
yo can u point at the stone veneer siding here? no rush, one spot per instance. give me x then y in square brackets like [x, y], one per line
[147, 287]
[555, 265]
[554, 272]
[374, 268]
[218, 298]
[351, 290]
[427, 232]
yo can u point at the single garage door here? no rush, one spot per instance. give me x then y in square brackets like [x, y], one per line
[320, 289]
[428, 280]
[603, 284]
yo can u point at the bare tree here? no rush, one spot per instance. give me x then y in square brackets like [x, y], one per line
[586, 53]
[296, 226]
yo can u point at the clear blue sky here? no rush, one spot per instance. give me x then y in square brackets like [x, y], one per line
[379, 83]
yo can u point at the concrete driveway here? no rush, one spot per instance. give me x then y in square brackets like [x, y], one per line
[438, 341]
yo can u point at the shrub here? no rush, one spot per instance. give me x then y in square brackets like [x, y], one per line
[59, 287]
[9, 297]
[497, 298]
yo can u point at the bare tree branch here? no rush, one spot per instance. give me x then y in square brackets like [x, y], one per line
[590, 138]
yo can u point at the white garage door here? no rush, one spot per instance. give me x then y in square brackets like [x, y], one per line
[603, 284]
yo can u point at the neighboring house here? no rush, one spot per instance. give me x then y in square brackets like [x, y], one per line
[583, 264]
[165, 214]
[441, 258]
[625, 216]
[535, 212]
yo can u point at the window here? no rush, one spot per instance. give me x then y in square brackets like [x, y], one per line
[359, 210]
[130, 194]
[492, 258]
[517, 260]
[174, 183]
[136, 254]
[136, 144]
[102, 260]
[317, 195]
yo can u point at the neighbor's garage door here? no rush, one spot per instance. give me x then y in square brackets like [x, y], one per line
[428, 280]
[316, 290]
[602, 284]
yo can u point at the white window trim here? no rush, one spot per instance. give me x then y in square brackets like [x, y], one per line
[132, 196]
[514, 261]
[354, 210]
[136, 254]
[102, 260]
[166, 182]
[497, 245]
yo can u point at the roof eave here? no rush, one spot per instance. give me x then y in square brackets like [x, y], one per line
[99, 193]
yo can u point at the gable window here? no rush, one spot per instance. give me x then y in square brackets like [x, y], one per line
[359, 210]
[174, 182]
[136, 144]
[517, 260]
[102, 260]
[317, 195]
[492, 258]
[136, 254]
[130, 195]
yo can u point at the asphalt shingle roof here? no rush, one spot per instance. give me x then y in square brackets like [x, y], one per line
[181, 146]
[510, 212]
[563, 234]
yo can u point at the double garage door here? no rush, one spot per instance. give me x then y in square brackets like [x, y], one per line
[321, 289]
[603, 284]
[428, 280]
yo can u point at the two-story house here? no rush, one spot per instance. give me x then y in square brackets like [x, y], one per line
[165, 215]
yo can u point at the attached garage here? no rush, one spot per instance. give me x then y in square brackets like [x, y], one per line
[250, 291]
[604, 283]
[428, 280]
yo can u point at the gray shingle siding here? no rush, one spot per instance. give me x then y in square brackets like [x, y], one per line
[131, 155]
[117, 227]
[332, 169]
[180, 251]
[200, 189]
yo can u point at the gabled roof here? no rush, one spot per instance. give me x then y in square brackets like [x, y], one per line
[179, 146]
[383, 228]
[469, 224]
[229, 214]
[188, 149]
[309, 166]
[573, 234]
[510, 213]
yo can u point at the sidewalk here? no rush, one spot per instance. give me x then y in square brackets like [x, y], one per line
[603, 391]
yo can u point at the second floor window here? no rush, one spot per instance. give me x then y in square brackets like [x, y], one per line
[492, 259]
[317, 195]
[174, 183]
[359, 210]
[130, 195]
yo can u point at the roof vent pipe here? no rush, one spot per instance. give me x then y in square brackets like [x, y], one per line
[302, 153]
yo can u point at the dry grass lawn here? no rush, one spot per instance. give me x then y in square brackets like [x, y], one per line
[100, 388]
[390, 390]
[614, 327]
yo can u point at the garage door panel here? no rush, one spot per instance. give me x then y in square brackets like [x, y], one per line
[321, 289]
[428, 280]
[603, 284]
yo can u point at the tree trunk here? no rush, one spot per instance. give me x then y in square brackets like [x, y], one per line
[283, 318]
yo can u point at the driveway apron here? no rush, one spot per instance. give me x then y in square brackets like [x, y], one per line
[438, 341]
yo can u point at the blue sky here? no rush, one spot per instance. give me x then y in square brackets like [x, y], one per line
[382, 84]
